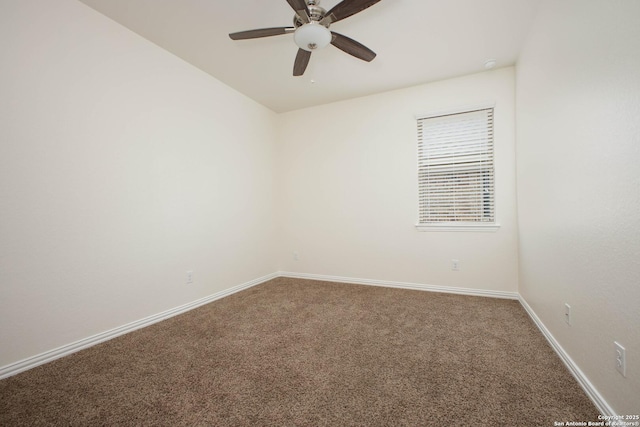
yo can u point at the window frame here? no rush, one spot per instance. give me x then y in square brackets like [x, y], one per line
[470, 226]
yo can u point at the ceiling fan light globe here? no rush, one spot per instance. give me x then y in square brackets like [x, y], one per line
[312, 36]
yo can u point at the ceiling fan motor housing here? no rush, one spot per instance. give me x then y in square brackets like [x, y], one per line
[316, 13]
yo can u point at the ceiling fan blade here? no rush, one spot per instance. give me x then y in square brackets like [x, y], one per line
[352, 47]
[301, 9]
[302, 60]
[345, 9]
[262, 32]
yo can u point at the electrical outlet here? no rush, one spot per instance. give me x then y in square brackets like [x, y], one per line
[189, 277]
[567, 313]
[621, 359]
[455, 265]
[296, 256]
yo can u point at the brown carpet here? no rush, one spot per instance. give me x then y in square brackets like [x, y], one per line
[300, 352]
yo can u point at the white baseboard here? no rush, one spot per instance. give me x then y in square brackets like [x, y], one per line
[577, 373]
[51, 355]
[403, 285]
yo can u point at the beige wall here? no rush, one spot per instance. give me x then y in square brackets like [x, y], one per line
[578, 91]
[121, 167]
[347, 182]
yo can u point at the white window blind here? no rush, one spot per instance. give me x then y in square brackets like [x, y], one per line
[455, 169]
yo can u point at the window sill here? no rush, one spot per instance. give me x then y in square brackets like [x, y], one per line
[486, 228]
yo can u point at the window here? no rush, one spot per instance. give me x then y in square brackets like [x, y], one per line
[455, 171]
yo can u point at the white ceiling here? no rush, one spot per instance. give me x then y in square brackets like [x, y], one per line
[417, 41]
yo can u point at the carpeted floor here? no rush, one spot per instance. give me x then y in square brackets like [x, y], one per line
[298, 352]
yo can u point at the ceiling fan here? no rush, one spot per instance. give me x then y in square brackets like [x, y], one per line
[311, 30]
